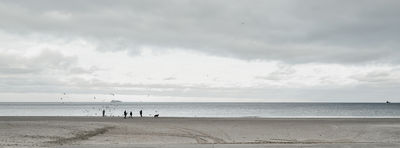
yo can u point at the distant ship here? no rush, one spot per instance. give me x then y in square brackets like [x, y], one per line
[115, 101]
[387, 102]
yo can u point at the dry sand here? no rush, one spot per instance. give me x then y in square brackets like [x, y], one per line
[197, 132]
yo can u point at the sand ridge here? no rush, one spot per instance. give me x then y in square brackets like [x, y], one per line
[82, 135]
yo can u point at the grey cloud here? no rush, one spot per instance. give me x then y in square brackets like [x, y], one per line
[289, 31]
[380, 78]
[169, 78]
[37, 83]
[374, 77]
[40, 73]
[284, 72]
[15, 64]
[80, 70]
[45, 61]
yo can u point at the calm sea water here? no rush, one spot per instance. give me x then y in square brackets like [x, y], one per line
[300, 110]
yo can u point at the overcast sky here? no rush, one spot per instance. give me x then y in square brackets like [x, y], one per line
[207, 50]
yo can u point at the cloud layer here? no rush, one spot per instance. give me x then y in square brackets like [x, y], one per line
[259, 50]
[289, 31]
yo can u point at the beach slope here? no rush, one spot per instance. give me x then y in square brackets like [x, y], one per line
[197, 132]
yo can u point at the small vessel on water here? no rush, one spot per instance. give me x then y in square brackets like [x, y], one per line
[387, 102]
[115, 101]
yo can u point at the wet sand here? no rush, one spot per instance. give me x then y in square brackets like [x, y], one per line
[197, 132]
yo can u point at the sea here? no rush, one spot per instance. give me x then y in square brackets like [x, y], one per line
[219, 109]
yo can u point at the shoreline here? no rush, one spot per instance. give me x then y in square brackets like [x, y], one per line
[28, 118]
[244, 117]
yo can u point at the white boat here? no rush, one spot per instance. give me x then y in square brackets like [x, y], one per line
[115, 101]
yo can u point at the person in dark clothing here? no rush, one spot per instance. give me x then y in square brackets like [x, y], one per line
[125, 113]
[104, 113]
[141, 113]
[131, 114]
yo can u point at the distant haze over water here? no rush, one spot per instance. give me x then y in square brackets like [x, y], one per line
[300, 110]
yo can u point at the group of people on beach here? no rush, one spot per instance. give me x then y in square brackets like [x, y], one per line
[130, 113]
[125, 113]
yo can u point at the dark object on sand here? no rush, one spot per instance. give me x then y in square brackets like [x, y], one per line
[141, 113]
[156, 115]
[125, 113]
[104, 113]
[131, 114]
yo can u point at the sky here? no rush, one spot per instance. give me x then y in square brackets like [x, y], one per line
[200, 51]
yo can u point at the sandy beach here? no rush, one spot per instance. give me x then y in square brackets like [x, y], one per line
[197, 132]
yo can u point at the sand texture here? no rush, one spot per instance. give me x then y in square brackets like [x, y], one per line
[197, 132]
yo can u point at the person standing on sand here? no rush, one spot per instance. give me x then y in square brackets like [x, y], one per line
[104, 113]
[125, 113]
[131, 114]
[141, 113]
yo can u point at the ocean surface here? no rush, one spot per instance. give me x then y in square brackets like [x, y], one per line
[269, 110]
